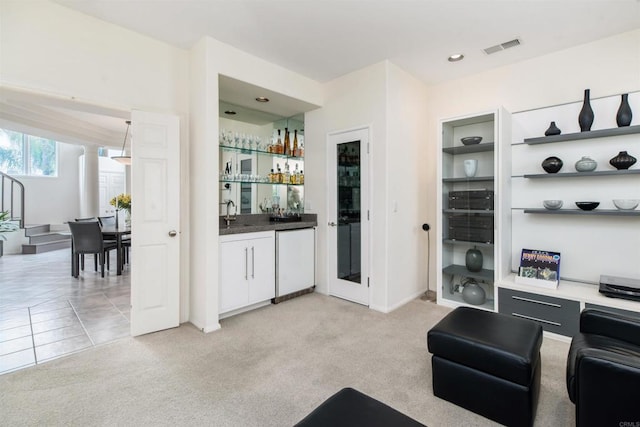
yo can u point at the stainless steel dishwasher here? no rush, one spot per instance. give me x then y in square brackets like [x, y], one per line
[295, 260]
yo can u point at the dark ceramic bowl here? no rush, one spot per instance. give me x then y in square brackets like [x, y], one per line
[587, 206]
[552, 164]
[470, 140]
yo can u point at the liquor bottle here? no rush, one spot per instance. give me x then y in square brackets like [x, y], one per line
[279, 174]
[295, 178]
[294, 152]
[272, 177]
[287, 149]
[278, 148]
[301, 177]
[287, 174]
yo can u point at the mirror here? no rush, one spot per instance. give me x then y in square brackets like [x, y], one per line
[255, 178]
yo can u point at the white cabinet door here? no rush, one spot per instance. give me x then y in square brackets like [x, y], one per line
[295, 251]
[234, 272]
[247, 269]
[261, 268]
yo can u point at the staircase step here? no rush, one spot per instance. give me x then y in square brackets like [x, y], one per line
[48, 237]
[30, 230]
[38, 248]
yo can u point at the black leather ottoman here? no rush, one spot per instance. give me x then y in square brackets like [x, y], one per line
[350, 408]
[488, 363]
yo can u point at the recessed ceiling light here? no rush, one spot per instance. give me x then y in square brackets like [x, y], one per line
[455, 58]
[262, 99]
[230, 112]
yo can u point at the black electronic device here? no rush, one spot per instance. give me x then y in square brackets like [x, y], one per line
[620, 287]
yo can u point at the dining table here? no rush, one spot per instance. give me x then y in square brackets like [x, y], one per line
[109, 232]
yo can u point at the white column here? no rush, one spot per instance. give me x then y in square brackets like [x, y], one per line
[91, 175]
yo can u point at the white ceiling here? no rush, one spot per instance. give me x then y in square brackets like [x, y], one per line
[324, 39]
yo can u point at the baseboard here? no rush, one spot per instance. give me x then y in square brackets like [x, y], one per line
[402, 302]
[205, 329]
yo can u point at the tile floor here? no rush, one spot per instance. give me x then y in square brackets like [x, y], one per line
[45, 313]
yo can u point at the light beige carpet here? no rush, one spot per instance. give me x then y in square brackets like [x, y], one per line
[269, 367]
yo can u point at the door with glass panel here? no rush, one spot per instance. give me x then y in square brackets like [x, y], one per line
[348, 227]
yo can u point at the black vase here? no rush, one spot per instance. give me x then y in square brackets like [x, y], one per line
[473, 260]
[622, 161]
[553, 130]
[552, 164]
[585, 118]
[623, 118]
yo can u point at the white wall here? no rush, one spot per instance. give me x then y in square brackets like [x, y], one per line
[608, 66]
[394, 104]
[50, 48]
[406, 182]
[355, 100]
[209, 59]
[55, 200]
[53, 51]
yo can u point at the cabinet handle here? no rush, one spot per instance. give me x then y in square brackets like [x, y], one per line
[548, 322]
[246, 263]
[550, 304]
[253, 264]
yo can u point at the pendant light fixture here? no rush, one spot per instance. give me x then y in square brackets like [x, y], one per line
[122, 158]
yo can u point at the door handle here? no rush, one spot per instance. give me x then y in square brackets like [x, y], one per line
[173, 233]
[332, 224]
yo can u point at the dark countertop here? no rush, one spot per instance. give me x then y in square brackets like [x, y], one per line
[260, 222]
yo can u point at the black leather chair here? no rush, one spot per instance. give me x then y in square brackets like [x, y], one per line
[87, 239]
[95, 256]
[603, 369]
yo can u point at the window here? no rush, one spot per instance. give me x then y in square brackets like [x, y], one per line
[22, 154]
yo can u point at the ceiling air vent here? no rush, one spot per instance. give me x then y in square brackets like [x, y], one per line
[502, 46]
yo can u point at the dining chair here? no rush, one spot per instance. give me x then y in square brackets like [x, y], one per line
[95, 256]
[87, 239]
[107, 220]
[126, 240]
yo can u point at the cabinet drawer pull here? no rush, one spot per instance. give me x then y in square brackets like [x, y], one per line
[246, 263]
[548, 322]
[253, 263]
[550, 304]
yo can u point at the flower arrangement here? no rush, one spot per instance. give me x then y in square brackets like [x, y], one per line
[123, 200]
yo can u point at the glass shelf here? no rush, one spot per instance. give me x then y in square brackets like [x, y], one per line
[609, 212]
[600, 133]
[467, 149]
[581, 174]
[232, 181]
[466, 179]
[255, 151]
[466, 242]
[468, 211]
[456, 298]
[461, 270]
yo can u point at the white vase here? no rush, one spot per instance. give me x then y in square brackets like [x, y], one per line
[470, 167]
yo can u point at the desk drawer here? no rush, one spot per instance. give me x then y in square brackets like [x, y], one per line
[556, 315]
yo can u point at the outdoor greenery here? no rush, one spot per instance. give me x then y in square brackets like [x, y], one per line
[22, 154]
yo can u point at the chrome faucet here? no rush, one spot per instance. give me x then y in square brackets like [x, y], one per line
[227, 218]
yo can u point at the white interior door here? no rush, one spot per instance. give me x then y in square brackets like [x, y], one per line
[348, 205]
[110, 185]
[155, 222]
